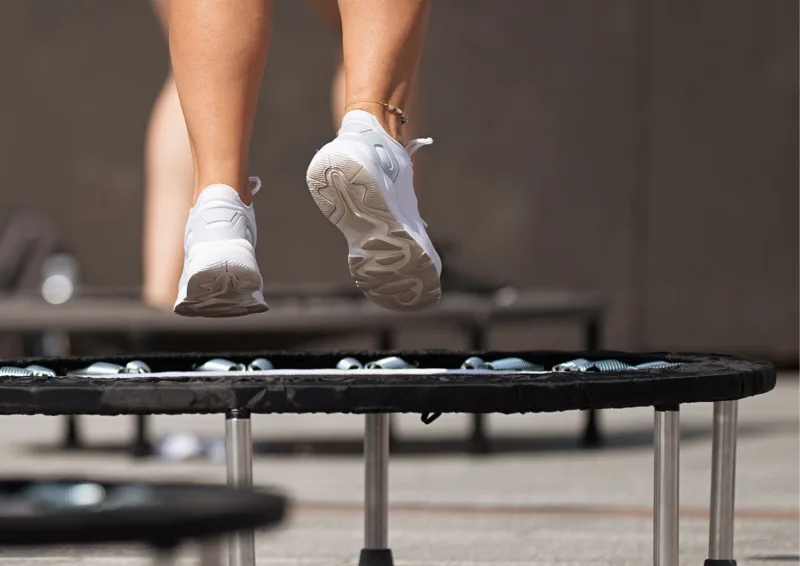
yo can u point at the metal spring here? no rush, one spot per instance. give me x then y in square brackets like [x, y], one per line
[260, 364]
[512, 364]
[15, 372]
[656, 365]
[610, 365]
[579, 365]
[392, 362]
[349, 363]
[220, 364]
[137, 366]
[474, 363]
[41, 371]
[99, 369]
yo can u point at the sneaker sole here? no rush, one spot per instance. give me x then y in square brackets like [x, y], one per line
[388, 265]
[221, 290]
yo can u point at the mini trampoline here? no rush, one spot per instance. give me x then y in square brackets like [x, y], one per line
[426, 382]
[83, 511]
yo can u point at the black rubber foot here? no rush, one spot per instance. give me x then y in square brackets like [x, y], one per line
[714, 562]
[376, 557]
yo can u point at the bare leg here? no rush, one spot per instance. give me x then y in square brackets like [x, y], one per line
[169, 178]
[329, 10]
[219, 49]
[382, 45]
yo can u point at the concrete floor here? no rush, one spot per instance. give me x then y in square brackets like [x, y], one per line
[538, 500]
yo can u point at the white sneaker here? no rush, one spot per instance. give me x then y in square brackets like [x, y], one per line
[363, 182]
[220, 274]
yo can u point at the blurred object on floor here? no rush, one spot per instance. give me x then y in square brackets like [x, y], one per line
[26, 241]
[41, 514]
[32, 252]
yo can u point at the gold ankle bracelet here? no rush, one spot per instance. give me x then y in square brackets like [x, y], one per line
[389, 107]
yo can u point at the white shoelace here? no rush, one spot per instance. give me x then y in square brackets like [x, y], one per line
[414, 145]
[256, 185]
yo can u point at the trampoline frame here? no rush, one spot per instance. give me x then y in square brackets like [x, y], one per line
[377, 551]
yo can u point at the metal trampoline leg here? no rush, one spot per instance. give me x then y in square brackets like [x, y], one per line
[386, 342]
[592, 434]
[376, 551]
[72, 436]
[666, 504]
[478, 440]
[239, 464]
[723, 484]
[141, 446]
[591, 431]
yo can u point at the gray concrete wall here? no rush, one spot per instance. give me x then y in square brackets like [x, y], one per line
[646, 149]
[722, 199]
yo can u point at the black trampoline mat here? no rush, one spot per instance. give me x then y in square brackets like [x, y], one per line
[698, 378]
